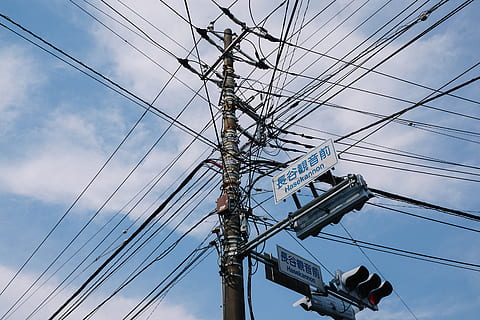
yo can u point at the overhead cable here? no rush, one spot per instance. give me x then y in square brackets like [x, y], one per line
[426, 204]
[400, 252]
[140, 101]
[128, 240]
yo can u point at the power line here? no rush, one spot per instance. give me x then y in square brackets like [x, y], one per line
[366, 146]
[96, 213]
[203, 78]
[125, 92]
[378, 270]
[169, 284]
[263, 168]
[386, 75]
[71, 206]
[423, 217]
[312, 100]
[389, 118]
[139, 270]
[141, 244]
[426, 205]
[395, 162]
[126, 242]
[380, 43]
[326, 76]
[400, 252]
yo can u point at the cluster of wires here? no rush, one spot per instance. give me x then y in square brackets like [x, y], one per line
[288, 97]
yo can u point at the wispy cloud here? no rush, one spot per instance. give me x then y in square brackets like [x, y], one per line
[117, 307]
[19, 75]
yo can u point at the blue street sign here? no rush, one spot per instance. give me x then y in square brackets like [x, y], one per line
[299, 268]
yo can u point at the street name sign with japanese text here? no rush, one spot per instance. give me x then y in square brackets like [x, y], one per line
[299, 268]
[304, 170]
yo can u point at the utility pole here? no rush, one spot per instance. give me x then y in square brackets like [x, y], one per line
[230, 201]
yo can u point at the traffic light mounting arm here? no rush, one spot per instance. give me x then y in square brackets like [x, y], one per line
[353, 194]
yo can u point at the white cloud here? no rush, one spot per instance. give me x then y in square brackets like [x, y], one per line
[19, 74]
[145, 63]
[65, 155]
[116, 308]
[424, 62]
[69, 149]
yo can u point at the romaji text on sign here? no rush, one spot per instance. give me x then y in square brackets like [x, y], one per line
[307, 168]
[299, 268]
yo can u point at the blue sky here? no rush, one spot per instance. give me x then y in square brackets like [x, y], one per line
[58, 127]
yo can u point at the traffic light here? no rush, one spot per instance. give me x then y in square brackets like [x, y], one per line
[365, 288]
[382, 291]
[351, 193]
[327, 306]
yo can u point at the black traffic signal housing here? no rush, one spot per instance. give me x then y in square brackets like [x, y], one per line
[364, 288]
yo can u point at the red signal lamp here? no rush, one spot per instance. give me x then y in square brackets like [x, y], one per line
[377, 294]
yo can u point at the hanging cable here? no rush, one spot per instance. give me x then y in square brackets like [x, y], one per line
[128, 240]
[128, 94]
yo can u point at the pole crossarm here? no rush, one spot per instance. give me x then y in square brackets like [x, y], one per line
[227, 50]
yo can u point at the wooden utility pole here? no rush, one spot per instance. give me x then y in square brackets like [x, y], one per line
[230, 201]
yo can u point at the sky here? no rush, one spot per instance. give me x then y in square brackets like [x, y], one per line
[84, 160]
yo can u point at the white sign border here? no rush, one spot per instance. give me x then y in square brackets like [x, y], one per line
[328, 166]
[317, 284]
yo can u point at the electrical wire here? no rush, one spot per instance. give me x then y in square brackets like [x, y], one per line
[121, 260]
[59, 221]
[313, 100]
[279, 53]
[396, 251]
[427, 205]
[276, 142]
[96, 213]
[328, 76]
[142, 244]
[402, 253]
[423, 217]
[381, 44]
[135, 273]
[394, 162]
[203, 78]
[249, 288]
[81, 194]
[383, 74]
[378, 270]
[366, 146]
[127, 241]
[325, 74]
[119, 89]
[387, 120]
[172, 282]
